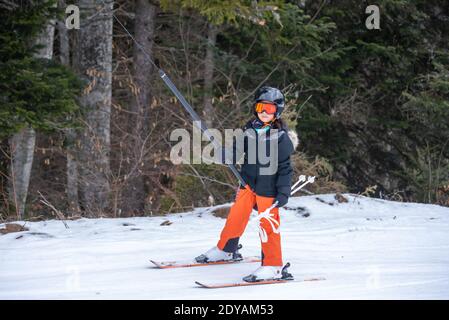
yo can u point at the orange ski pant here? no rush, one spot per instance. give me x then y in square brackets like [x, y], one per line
[237, 220]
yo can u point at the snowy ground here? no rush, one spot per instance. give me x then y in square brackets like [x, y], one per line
[366, 249]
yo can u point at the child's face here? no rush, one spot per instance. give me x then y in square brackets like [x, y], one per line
[265, 117]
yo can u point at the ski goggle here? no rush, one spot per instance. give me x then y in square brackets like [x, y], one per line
[269, 108]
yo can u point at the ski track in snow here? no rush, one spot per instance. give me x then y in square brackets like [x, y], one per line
[366, 249]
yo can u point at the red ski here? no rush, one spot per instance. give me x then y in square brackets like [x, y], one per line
[188, 264]
[243, 283]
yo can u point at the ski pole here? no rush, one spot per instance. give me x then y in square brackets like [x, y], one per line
[197, 120]
[309, 180]
[301, 179]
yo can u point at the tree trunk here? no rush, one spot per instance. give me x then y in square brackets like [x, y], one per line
[22, 152]
[209, 65]
[22, 143]
[70, 135]
[93, 61]
[134, 193]
[64, 46]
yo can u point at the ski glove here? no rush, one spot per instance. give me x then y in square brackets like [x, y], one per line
[282, 200]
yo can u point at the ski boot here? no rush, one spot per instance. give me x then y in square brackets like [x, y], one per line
[264, 273]
[215, 254]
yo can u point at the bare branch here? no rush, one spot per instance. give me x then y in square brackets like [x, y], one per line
[58, 213]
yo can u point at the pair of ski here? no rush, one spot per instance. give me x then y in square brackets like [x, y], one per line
[179, 264]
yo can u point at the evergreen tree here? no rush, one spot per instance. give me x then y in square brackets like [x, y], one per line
[381, 119]
[37, 92]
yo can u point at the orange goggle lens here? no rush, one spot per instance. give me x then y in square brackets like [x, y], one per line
[269, 108]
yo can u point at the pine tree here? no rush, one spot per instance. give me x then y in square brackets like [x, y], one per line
[36, 92]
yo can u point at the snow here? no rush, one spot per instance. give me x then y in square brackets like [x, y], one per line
[366, 249]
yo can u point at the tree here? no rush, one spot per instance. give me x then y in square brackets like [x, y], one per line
[93, 62]
[209, 66]
[37, 93]
[134, 192]
[70, 134]
[381, 118]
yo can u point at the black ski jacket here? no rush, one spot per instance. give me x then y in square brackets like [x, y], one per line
[265, 182]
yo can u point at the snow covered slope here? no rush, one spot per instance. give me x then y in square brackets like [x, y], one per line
[365, 248]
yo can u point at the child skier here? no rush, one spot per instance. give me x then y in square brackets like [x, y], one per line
[262, 190]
